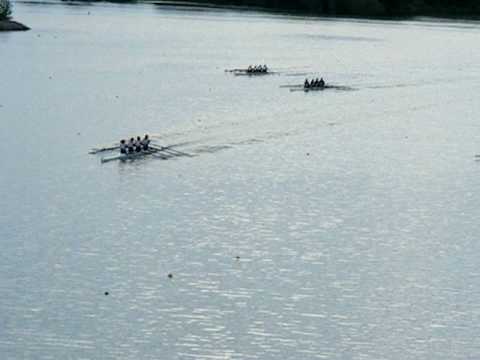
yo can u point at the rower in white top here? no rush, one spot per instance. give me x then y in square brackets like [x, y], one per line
[138, 144]
[123, 146]
[131, 146]
[135, 145]
[145, 142]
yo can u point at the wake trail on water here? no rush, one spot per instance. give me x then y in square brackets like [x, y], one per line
[219, 137]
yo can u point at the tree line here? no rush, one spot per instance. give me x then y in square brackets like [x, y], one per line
[5, 9]
[364, 7]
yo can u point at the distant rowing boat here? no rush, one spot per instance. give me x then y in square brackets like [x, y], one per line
[130, 156]
[254, 73]
[317, 88]
[251, 71]
[162, 152]
[246, 72]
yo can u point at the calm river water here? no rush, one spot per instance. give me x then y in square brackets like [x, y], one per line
[341, 224]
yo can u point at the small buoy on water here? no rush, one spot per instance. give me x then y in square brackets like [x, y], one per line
[106, 293]
[170, 276]
[237, 257]
[308, 154]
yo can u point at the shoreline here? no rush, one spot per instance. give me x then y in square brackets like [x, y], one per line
[10, 25]
[383, 13]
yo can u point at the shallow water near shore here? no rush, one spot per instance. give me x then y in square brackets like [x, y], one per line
[336, 224]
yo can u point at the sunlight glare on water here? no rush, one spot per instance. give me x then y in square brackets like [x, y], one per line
[335, 224]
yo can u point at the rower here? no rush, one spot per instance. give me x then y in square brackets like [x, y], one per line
[131, 145]
[306, 84]
[138, 144]
[123, 146]
[250, 68]
[322, 82]
[317, 82]
[265, 68]
[145, 142]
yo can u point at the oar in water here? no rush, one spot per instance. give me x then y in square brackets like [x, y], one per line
[234, 70]
[291, 86]
[169, 149]
[97, 150]
[177, 153]
[160, 156]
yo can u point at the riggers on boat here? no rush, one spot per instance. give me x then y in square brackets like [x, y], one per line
[130, 155]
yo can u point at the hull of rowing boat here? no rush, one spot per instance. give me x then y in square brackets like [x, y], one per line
[123, 157]
[319, 88]
[252, 73]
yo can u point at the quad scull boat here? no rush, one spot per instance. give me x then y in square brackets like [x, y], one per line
[317, 88]
[130, 156]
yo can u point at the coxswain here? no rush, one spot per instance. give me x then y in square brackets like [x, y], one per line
[131, 145]
[123, 146]
[306, 84]
[250, 68]
[145, 142]
[138, 144]
[265, 68]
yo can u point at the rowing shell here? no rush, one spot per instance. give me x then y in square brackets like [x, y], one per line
[317, 88]
[129, 156]
[258, 73]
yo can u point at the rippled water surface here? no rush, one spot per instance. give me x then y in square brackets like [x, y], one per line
[336, 224]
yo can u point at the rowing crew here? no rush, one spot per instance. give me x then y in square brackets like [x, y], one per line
[257, 69]
[134, 145]
[314, 83]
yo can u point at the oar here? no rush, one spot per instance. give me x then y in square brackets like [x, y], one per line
[177, 152]
[236, 70]
[299, 89]
[291, 86]
[97, 150]
[169, 149]
[161, 156]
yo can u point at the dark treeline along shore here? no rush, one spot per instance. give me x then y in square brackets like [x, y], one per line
[382, 8]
